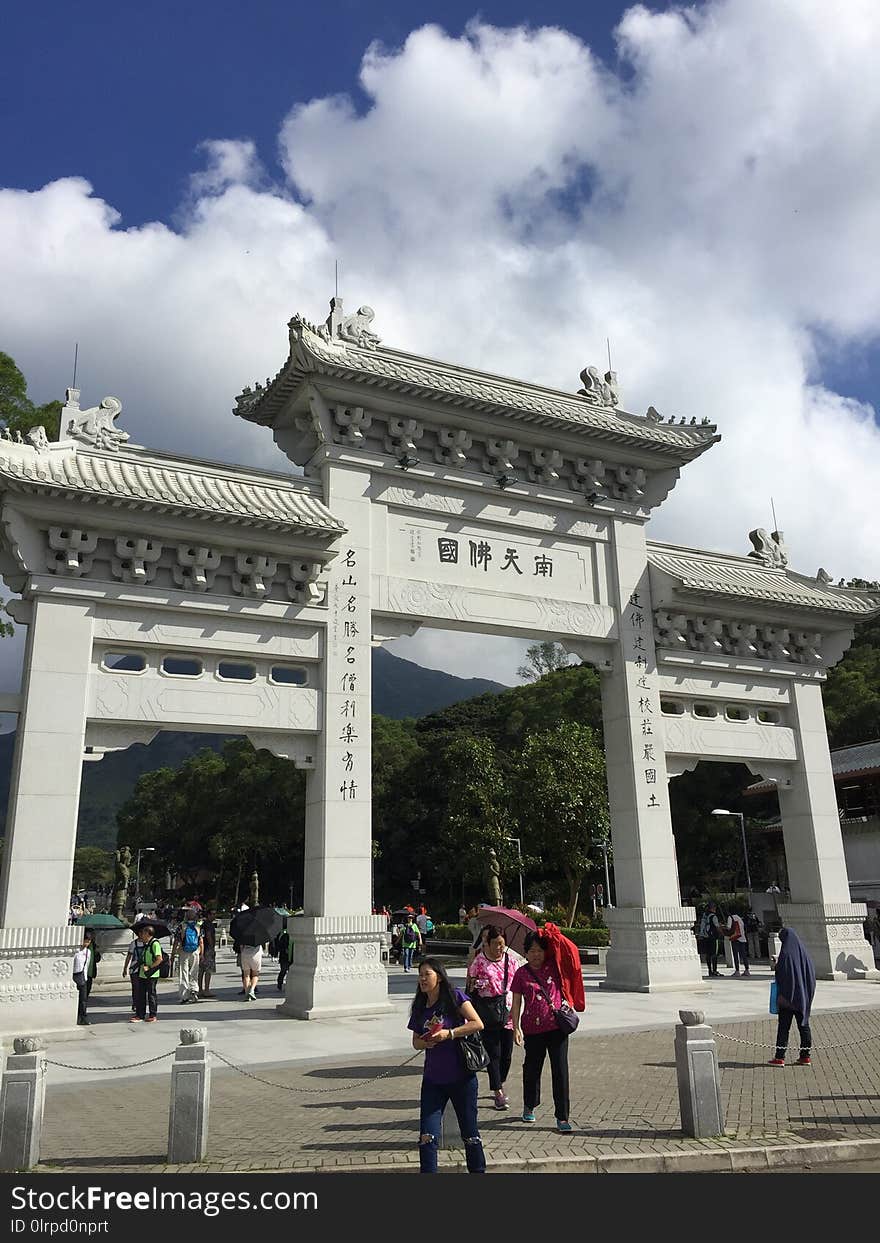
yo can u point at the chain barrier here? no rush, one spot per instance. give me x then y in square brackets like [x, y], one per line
[128, 1065]
[286, 1087]
[824, 1048]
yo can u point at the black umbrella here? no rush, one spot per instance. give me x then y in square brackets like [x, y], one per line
[160, 928]
[256, 926]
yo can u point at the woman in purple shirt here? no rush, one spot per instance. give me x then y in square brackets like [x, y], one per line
[441, 1015]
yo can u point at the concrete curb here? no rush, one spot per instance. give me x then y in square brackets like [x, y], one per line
[755, 1159]
[708, 1161]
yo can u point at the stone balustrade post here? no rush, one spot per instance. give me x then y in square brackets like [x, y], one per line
[190, 1098]
[22, 1099]
[699, 1080]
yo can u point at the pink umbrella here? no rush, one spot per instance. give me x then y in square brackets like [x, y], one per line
[513, 924]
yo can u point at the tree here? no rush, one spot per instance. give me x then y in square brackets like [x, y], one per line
[17, 412]
[563, 801]
[92, 866]
[478, 816]
[543, 658]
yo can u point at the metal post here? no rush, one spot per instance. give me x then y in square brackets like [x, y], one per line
[742, 825]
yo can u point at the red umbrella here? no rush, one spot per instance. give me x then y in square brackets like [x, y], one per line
[513, 924]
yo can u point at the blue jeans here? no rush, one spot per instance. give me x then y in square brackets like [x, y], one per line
[463, 1095]
[408, 951]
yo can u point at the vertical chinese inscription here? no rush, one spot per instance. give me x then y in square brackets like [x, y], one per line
[346, 715]
[643, 700]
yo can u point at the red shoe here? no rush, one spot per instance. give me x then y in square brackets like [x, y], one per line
[776, 1061]
[804, 1060]
[151, 1019]
[135, 1020]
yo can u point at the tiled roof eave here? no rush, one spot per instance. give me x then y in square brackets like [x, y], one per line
[174, 508]
[682, 444]
[854, 611]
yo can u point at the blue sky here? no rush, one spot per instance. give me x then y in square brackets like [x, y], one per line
[508, 190]
[123, 94]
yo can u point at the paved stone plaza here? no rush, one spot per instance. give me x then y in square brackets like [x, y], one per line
[624, 1097]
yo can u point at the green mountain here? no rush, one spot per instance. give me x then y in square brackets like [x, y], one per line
[400, 689]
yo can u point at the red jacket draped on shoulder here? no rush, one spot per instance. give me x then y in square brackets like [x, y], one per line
[567, 960]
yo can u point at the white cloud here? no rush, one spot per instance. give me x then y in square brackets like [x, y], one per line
[508, 201]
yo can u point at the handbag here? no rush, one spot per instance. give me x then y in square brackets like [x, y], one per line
[493, 1010]
[473, 1052]
[566, 1019]
[774, 993]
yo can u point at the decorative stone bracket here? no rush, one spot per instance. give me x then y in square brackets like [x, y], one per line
[501, 456]
[70, 551]
[351, 422]
[736, 638]
[253, 575]
[304, 585]
[403, 435]
[546, 465]
[452, 446]
[136, 560]
[196, 567]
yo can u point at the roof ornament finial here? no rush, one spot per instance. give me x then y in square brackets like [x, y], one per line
[355, 329]
[769, 549]
[94, 426]
[597, 391]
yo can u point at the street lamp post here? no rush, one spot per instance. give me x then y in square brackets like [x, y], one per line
[722, 811]
[519, 857]
[603, 846]
[142, 850]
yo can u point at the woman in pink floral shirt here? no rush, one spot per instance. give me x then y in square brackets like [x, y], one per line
[491, 975]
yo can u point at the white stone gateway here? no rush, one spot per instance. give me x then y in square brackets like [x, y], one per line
[173, 593]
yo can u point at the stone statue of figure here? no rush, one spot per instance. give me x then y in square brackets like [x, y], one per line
[120, 888]
[493, 878]
[254, 891]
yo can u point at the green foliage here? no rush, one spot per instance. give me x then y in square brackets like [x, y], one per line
[542, 658]
[222, 814]
[852, 692]
[92, 866]
[562, 799]
[452, 932]
[17, 412]
[587, 936]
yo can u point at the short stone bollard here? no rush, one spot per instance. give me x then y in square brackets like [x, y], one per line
[190, 1098]
[22, 1099]
[699, 1080]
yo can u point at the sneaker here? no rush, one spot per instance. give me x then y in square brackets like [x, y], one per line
[776, 1061]
[528, 1115]
[564, 1128]
[151, 1019]
[501, 1101]
[805, 1060]
[135, 1020]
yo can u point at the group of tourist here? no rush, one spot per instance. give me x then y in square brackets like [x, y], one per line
[712, 928]
[533, 1004]
[509, 1001]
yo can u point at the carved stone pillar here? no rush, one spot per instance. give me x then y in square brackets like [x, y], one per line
[820, 911]
[337, 964]
[652, 947]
